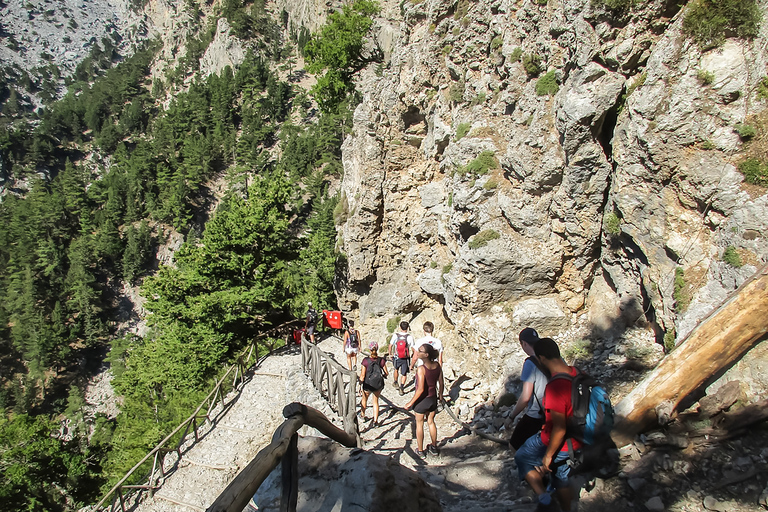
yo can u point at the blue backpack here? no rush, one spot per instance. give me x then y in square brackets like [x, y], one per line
[591, 422]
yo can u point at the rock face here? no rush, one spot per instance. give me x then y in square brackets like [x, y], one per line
[337, 478]
[58, 35]
[471, 196]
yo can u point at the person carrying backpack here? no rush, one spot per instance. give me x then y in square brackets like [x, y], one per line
[543, 453]
[534, 377]
[311, 322]
[373, 371]
[351, 344]
[401, 350]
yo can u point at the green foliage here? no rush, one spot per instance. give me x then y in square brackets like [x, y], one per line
[547, 85]
[705, 77]
[311, 276]
[497, 43]
[580, 350]
[707, 145]
[447, 268]
[612, 224]
[393, 323]
[762, 89]
[532, 65]
[484, 162]
[462, 9]
[669, 341]
[341, 211]
[745, 131]
[754, 171]
[479, 99]
[338, 51]
[731, 256]
[462, 130]
[708, 22]
[516, 54]
[614, 5]
[491, 184]
[482, 238]
[456, 93]
[681, 294]
[38, 469]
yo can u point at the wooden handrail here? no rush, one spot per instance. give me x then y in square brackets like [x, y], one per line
[237, 494]
[216, 393]
[328, 377]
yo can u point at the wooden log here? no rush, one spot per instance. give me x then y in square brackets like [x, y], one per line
[290, 477]
[237, 494]
[719, 341]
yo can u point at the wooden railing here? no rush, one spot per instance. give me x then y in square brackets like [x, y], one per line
[230, 381]
[335, 383]
[283, 448]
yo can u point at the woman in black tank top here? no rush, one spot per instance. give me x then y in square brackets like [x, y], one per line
[429, 391]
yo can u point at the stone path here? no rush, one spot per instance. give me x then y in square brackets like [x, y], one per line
[469, 473]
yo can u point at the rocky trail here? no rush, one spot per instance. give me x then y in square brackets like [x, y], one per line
[659, 472]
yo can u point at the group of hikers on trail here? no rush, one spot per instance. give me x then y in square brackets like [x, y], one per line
[425, 354]
[567, 415]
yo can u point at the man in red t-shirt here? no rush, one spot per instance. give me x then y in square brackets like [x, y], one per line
[537, 455]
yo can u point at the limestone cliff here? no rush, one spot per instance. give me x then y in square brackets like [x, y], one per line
[475, 202]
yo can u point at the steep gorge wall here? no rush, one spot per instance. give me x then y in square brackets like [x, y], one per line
[631, 132]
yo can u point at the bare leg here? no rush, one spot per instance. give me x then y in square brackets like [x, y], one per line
[376, 406]
[565, 497]
[535, 481]
[432, 427]
[420, 431]
[363, 404]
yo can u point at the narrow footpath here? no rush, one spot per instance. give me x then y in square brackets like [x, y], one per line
[469, 473]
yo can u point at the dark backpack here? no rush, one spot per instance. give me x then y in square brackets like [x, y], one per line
[591, 423]
[373, 375]
[352, 338]
[401, 346]
[312, 316]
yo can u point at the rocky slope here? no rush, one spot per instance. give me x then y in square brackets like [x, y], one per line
[472, 201]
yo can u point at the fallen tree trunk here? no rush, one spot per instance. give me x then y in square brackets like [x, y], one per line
[719, 340]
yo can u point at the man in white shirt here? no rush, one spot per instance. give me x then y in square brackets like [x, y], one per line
[429, 328]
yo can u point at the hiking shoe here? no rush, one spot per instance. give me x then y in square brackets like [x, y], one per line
[420, 454]
[432, 449]
[395, 384]
[401, 391]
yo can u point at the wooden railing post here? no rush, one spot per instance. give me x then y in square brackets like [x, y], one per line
[290, 476]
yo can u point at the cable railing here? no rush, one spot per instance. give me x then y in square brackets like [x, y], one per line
[232, 380]
[283, 449]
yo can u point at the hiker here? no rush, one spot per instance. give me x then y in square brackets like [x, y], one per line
[351, 345]
[401, 351]
[429, 392]
[543, 453]
[309, 325]
[428, 328]
[373, 372]
[534, 377]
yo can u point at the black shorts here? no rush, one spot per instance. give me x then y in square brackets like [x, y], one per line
[402, 364]
[425, 404]
[527, 426]
[370, 389]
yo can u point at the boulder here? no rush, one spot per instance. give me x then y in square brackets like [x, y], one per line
[332, 477]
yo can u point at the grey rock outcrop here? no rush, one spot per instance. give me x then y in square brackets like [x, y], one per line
[622, 139]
